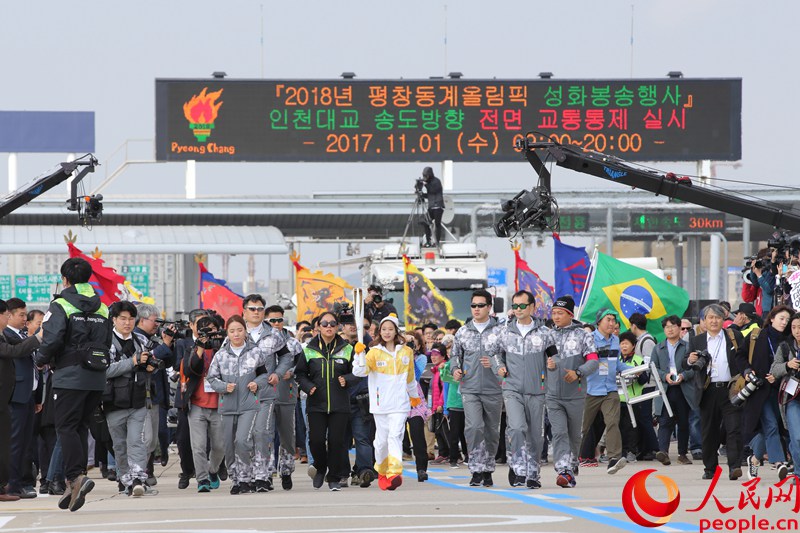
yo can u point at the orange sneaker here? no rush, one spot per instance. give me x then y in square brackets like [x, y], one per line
[383, 482]
[394, 482]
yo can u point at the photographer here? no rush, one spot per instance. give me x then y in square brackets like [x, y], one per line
[126, 397]
[433, 188]
[375, 307]
[205, 423]
[761, 278]
[786, 370]
[712, 356]
[161, 348]
[761, 420]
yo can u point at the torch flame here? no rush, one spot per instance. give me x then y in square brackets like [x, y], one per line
[202, 109]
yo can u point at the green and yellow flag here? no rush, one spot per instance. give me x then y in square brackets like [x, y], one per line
[627, 290]
[423, 301]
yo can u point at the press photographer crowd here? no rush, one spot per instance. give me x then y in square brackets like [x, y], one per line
[93, 394]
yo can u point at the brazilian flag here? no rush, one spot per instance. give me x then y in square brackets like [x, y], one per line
[627, 290]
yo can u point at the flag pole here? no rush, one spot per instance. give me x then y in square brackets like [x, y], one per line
[587, 288]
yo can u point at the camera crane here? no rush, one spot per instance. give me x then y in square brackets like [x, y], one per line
[537, 208]
[89, 208]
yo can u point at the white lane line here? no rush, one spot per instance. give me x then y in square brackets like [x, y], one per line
[6, 519]
[594, 510]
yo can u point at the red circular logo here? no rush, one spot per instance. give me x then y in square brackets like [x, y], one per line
[635, 494]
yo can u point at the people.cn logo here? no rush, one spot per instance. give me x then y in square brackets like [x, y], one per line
[636, 497]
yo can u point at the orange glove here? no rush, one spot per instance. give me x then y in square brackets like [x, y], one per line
[359, 347]
[415, 401]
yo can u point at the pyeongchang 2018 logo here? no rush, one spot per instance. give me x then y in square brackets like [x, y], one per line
[636, 497]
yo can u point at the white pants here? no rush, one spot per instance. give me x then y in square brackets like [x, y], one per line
[389, 429]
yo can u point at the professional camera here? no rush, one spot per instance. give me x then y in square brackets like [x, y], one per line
[209, 339]
[753, 382]
[174, 328]
[534, 208]
[155, 363]
[703, 354]
[781, 241]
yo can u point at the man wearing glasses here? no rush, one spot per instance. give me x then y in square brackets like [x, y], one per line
[286, 401]
[156, 428]
[524, 345]
[473, 349]
[269, 340]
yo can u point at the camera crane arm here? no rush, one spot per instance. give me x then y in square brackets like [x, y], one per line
[35, 188]
[618, 171]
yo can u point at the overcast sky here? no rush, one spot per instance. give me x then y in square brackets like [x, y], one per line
[104, 56]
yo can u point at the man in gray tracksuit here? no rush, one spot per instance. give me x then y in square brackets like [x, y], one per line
[566, 388]
[285, 403]
[473, 350]
[270, 341]
[523, 346]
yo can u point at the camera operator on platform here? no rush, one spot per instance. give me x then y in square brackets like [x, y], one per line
[433, 188]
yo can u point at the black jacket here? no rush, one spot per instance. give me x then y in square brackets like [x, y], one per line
[77, 317]
[434, 193]
[699, 343]
[24, 369]
[8, 353]
[319, 367]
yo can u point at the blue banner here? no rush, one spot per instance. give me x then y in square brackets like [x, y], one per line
[571, 269]
[47, 131]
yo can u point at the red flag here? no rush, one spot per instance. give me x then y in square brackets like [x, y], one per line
[105, 281]
[526, 279]
[215, 294]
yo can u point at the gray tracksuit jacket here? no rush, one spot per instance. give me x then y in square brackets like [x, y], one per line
[524, 358]
[469, 346]
[574, 345]
[271, 341]
[227, 367]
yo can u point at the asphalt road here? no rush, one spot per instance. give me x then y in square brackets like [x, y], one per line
[444, 503]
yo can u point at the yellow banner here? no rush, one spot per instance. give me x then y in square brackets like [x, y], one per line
[316, 291]
[423, 301]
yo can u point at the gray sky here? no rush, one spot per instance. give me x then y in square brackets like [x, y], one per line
[104, 56]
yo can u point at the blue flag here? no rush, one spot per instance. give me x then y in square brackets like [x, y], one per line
[571, 269]
[527, 279]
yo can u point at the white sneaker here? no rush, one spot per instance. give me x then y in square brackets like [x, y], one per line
[752, 467]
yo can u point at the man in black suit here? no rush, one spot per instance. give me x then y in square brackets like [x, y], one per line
[23, 405]
[716, 371]
[9, 352]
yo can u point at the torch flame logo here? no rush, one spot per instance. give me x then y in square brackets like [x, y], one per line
[635, 493]
[201, 112]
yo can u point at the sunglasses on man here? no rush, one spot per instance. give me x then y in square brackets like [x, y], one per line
[255, 309]
[327, 324]
[519, 306]
[275, 320]
[478, 306]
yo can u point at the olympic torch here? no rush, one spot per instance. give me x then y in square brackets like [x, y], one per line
[358, 312]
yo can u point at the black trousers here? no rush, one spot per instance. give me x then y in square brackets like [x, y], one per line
[184, 443]
[5, 444]
[436, 222]
[416, 427]
[592, 437]
[630, 434]
[73, 412]
[716, 408]
[442, 427]
[666, 423]
[22, 418]
[457, 425]
[328, 458]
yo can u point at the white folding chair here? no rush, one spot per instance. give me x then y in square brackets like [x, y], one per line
[627, 376]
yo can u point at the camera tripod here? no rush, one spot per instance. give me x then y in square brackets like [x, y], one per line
[419, 215]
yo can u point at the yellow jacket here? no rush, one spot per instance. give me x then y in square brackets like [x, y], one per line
[390, 378]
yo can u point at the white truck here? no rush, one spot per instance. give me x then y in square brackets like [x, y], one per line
[456, 271]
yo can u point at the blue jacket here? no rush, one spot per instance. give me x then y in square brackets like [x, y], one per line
[601, 382]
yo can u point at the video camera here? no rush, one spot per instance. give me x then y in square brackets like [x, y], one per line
[781, 241]
[174, 328]
[535, 208]
[344, 313]
[208, 339]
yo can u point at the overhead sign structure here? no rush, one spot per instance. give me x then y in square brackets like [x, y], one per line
[676, 222]
[46, 131]
[444, 119]
[36, 288]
